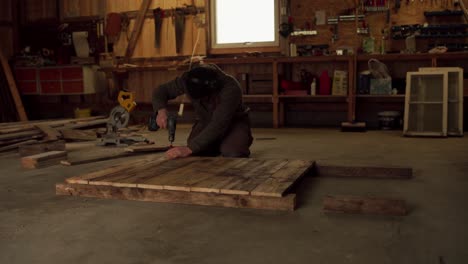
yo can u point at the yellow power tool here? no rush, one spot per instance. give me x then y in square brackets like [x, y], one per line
[119, 118]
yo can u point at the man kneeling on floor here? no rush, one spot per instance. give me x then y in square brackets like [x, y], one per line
[222, 125]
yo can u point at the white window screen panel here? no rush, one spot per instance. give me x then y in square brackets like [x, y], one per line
[426, 104]
[245, 22]
[455, 98]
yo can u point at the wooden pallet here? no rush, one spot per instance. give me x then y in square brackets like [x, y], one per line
[229, 182]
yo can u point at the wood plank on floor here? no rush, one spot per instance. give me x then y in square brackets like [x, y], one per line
[323, 170]
[43, 160]
[287, 203]
[283, 179]
[364, 205]
[41, 147]
[236, 176]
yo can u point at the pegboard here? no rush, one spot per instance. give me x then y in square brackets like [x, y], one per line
[410, 12]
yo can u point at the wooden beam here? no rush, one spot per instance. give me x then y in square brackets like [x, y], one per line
[43, 160]
[41, 147]
[78, 135]
[286, 203]
[94, 158]
[50, 132]
[364, 172]
[13, 89]
[137, 28]
[147, 148]
[364, 205]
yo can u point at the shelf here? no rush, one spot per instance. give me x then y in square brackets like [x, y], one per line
[422, 102]
[395, 57]
[381, 96]
[444, 13]
[240, 60]
[374, 98]
[257, 98]
[313, 98]
[334, 58]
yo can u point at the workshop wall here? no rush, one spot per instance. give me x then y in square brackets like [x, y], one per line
[410, 12]
[6, 27]
[36, 10]
[194, 30]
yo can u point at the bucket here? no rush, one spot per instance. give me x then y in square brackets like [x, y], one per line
[80, 113]
[389, 120]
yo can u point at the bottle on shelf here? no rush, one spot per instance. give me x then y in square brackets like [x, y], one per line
[313, 87]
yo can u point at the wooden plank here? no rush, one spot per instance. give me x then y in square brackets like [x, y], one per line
[199, 171]
[147, 148]
[13, 89]
[51, 133]
[137, 28]
[364, 172]
[43, 159]
[78, 135]
[283, 179]
[364, 205]
[41, 147]
[16, 145]
[286, 203]
[159, 180]
[85, 124]
[222, 172]
[83, 158]
[25, 134]
[254, 177]
[84, 179]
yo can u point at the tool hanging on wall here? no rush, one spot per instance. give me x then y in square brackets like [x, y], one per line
[158, 14]
[179, 20]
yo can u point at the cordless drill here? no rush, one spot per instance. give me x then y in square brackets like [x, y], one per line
[171, 125]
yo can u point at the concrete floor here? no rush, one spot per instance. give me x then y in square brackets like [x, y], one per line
[36, 226]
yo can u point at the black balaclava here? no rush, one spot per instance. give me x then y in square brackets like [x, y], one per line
[201, 81]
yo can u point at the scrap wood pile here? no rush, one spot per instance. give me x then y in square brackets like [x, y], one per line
[16, 134]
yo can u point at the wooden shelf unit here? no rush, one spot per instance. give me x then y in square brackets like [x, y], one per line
[353, 64]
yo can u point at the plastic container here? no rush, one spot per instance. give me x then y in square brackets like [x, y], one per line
[390, 120]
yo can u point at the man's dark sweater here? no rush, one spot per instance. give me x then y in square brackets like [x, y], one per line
[215, 112]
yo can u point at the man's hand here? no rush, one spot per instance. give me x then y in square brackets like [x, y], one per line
[178, 152]
[161, 119]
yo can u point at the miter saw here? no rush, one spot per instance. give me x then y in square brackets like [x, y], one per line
[118, 118]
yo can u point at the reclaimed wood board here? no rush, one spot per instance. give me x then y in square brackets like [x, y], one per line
[205, 174]
[286, 203]
[210, 176]
[43, 160]
[147, 148]
[364, 205]
[41, 147]
[364, 172]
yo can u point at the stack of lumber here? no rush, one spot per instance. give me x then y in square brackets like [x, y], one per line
[15, 134]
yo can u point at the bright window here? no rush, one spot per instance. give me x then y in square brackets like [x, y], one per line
[244, 23]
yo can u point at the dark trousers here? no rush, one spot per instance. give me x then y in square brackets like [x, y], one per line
[235, 143]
